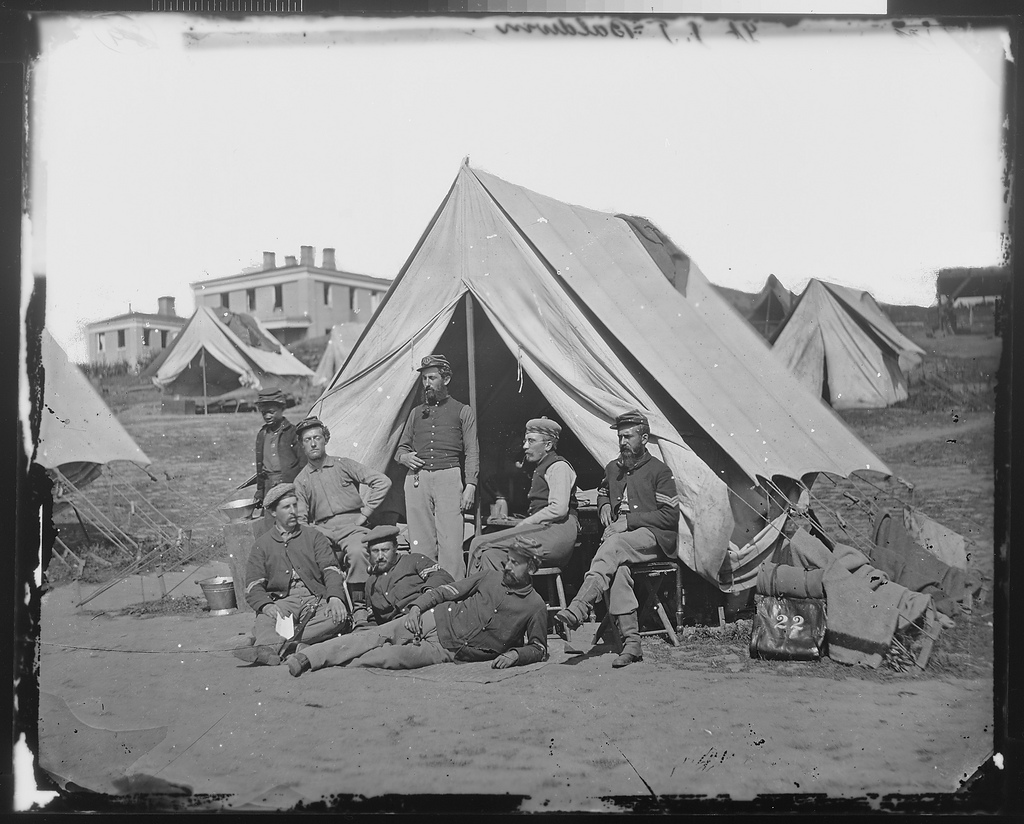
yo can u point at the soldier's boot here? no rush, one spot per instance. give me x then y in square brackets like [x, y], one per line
[579, 610]
[629, 627]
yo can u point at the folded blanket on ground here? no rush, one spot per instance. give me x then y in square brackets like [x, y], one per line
[864, 607]
[911, 565]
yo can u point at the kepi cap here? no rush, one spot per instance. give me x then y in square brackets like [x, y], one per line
[310, 423]
[634, 417]
[277, 493]
[271, 396]
[384, 532]
[544, 426]
[439, 362]
[526, 549]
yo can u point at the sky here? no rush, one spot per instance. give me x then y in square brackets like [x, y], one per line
[168, 149]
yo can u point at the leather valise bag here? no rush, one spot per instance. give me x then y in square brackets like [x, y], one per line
[788, 629]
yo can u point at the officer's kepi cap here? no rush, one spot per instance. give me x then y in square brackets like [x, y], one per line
[269, 396]
[384, 532]
[544, 426]
[308, 423]
[525, 549]
[634, 417]
[439, 362]
[276, 493]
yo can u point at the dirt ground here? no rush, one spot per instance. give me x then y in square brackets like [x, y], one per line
[698, 720]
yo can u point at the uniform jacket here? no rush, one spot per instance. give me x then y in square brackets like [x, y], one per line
[389, 594]
[272, 559]
[479, 618]
[441, 434]
[651, 498]
[289, 452]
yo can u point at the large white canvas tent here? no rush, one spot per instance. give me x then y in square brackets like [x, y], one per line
[547, 308]
[841, 346]
[78, 433]
[258, 361]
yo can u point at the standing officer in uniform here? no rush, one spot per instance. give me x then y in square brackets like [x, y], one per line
[397, 578]
[330, 500]
[438, 433]
[552, 521]
[638, 508]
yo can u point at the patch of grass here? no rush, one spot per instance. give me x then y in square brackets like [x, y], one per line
[185, 605]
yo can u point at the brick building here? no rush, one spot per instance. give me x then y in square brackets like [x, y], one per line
[298, 300]
[133, 336]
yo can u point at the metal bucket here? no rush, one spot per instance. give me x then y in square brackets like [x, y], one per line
[220, 594]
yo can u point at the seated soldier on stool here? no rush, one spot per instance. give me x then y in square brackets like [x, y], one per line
[290, 568]
[552, 521]
[637, 506]
[397, 578]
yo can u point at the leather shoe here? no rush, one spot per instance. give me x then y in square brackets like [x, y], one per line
[568, 619]
[625, 659]
[260, 655]
[297, 664]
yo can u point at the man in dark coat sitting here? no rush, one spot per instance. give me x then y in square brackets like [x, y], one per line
[397, 579]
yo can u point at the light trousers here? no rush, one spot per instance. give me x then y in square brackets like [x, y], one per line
[389, 646]
[433, 509]
[608, 570]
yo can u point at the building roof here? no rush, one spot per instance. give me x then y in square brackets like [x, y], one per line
[299, 268]
[173, 320]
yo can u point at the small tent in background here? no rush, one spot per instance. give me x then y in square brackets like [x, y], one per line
[841, 346]
[233, 350]
[547, 308]
[78, 433]
[771, 307]
[343, 336]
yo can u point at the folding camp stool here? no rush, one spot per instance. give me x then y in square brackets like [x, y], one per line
[650, 575]
[553, 583]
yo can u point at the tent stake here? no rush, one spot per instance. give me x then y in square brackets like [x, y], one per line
[471, 358]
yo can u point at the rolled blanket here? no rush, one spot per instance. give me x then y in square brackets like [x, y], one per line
[790, 582]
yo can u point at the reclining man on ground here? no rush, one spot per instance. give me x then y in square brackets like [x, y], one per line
[637, 507]
[291, 569]
[397, 579]
[487, 619]
[552, 521]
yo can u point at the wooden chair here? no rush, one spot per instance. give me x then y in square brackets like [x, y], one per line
[649, 576]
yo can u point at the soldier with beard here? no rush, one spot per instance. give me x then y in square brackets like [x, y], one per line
[439, 434]
[491, 616]
[397, 578]
[638, 507]
[552, 521]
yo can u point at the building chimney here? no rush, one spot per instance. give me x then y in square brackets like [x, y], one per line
[268, 261]
[289, 260]
[307, 256]
[329, 259]
[166, 304]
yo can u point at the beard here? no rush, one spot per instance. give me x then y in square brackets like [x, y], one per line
[509, 579]
[435, 396]
[629, 457]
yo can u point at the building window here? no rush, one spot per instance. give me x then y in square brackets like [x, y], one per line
[374, 301]
[278, 297]
[163, 338]
[353, 305]
[145, 337]
[225, 300]
[101, 342]
[327, 294]
[120, 338]
[250, 299]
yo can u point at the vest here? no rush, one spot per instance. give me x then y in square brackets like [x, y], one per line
[437, 434]
[539, 488]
